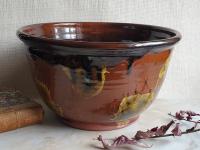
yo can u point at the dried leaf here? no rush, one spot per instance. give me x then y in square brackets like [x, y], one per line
[177, 131]
[105, 145]
[121, 140]
[189, 117]
[144, 135]
[191, 113]
[163, 129]
[179, 115]
[153, 132]
[154, 129]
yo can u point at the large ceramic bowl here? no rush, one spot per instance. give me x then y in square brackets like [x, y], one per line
[98, 76]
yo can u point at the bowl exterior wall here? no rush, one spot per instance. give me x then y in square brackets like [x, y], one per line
[98, 90]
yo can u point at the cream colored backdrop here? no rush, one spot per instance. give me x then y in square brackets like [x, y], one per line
[183, 77]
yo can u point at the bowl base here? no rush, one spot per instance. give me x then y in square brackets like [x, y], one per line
[98, 126]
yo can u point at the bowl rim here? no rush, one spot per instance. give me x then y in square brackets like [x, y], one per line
[103, 44]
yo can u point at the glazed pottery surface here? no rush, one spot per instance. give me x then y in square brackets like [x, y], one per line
[98, 76]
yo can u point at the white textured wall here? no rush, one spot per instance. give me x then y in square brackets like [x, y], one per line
[183, 78]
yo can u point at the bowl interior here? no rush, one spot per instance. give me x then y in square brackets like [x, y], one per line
[97, 32]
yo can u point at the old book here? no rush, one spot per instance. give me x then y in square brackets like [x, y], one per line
[17, 111]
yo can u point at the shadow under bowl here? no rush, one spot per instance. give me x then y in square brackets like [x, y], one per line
[98, 75]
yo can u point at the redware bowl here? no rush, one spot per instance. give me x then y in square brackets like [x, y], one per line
[98, 76]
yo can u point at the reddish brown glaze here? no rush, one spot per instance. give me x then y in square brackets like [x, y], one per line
[98, 76]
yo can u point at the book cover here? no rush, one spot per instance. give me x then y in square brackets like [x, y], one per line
[17, 110]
